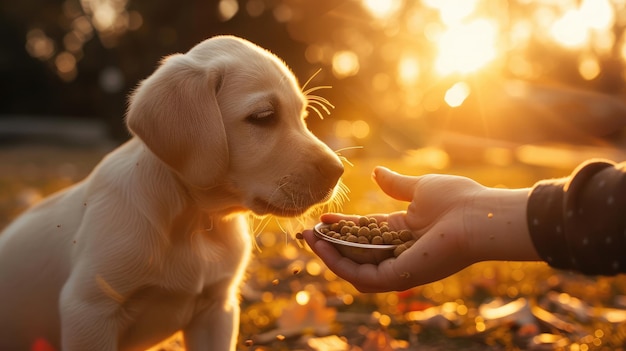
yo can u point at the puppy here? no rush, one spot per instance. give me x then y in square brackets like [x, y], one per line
[155, 239]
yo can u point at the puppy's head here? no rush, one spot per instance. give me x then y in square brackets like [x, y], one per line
[229, 115]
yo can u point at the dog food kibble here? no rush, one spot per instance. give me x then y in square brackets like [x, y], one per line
[367, 230]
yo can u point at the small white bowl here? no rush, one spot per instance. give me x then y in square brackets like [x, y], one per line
[357, 252]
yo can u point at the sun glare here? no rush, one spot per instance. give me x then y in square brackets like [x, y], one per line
[466, 48]
[408, 70]
[382, 8]
[457, 94]
[452, 11]
[574, 28]
[345, 64]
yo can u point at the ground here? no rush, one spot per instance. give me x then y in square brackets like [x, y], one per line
[290, 301]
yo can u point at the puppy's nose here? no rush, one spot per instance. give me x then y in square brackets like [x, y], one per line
[331, 169]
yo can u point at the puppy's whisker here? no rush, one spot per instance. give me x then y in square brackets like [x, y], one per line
[319, 99]
[258, 229]
[319, 113]
[343, 158]
[311, 78]
[318, 103]
[338, 151]
[319, 87]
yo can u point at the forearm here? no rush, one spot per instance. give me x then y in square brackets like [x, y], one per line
[496, 222]
[578, 222]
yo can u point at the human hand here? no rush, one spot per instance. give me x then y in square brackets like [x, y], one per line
[442, 213]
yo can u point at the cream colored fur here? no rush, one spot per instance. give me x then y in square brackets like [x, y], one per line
[155, 239]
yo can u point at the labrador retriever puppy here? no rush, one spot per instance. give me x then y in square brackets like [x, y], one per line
[155, 239]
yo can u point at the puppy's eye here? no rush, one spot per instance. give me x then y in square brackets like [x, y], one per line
[263, 118]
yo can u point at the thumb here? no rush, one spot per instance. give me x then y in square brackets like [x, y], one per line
[398, 186]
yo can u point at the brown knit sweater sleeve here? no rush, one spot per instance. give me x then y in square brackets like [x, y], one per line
[579, 222]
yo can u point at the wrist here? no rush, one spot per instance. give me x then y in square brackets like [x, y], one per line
[497, 228]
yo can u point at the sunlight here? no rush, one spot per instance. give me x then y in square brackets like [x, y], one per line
[227, 9]
[39, 45]
[568, 30]
[303, 297]
[466, 48]
[598, 14]
[382, 8]
[457, 94]
[452, 11]
[345, 64]
[573, 29]
[408, 70]
[588, 67]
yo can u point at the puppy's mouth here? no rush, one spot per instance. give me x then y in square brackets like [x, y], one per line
[262, 207]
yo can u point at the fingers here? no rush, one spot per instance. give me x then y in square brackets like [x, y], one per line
[396, 185]
[367, 278]
[430, 259]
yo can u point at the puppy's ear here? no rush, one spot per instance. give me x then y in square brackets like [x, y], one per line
[175, 113]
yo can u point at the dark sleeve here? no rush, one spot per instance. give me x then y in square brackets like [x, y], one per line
[579, 222]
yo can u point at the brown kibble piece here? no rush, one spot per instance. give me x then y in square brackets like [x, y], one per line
[364, 231]
[387, 237]
[405, 235]
[363, 221]
[367, 231]
[398, 250]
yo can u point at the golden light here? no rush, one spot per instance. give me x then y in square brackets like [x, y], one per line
[104, 16]
[65, 62]
[227, 9]
[382, 8]
[313, 268]
[598, 14]
[452, 11]
[431, 157]
[303, 297]
[39, 45]
[408, 70]
[384, 320]
[465, 48]
[360, 129]
[345, 64]
[588, 67]
[569, 31]
[347, 129]
[456, 95]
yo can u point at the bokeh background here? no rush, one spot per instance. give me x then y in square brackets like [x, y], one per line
[505, 92]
